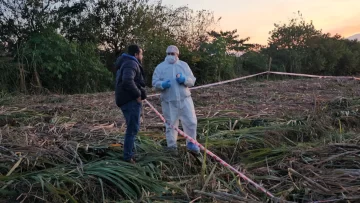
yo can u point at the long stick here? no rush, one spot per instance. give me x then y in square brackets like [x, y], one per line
[270, 60]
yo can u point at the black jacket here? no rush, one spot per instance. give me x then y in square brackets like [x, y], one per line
[130, 81]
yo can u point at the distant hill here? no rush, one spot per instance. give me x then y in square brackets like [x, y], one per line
[357, 36]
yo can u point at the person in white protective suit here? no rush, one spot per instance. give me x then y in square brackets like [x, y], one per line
[173, 78]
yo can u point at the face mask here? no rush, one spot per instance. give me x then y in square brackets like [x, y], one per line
[171, 59]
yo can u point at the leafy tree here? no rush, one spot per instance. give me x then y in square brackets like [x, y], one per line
[299, 47]
[155, 52]
[219, 55]
[21, 18]
[324, 54]
[254, 62]
[56, 64]
[190, 28]
[289, 42]
[232, 41]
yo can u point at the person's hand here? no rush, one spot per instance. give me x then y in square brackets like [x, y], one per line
[143, 94]
[166, 84]
[139, 100]
[180, 78]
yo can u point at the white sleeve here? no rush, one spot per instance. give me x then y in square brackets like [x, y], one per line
[156, 81]
[190, 79]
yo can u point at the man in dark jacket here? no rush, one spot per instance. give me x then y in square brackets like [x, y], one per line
[129, 93]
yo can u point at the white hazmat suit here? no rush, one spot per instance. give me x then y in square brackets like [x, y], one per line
[176, 100]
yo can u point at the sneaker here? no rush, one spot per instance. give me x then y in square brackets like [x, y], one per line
[193, 148]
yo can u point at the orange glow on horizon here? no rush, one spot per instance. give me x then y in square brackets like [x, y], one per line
[256, 18]
[347, 31]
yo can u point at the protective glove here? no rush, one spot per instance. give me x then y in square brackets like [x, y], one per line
[180, 78]
[166, 84]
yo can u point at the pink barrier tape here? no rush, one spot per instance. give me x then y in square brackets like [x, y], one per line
[219, 83]
[228, 81]
[267, 72]
[294, 74]
[314, 76]
[257, 186]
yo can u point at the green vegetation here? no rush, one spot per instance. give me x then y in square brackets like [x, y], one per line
[298, 138]
[58, 148]
[70, 46]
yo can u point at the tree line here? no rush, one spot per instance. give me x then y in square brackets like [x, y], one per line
[69, 46]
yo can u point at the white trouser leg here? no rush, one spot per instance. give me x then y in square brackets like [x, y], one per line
[188, 118]
[171, 114]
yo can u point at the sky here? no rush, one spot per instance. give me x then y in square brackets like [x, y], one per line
[255, 18]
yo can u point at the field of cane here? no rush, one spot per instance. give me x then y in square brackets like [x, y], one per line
[298, 138]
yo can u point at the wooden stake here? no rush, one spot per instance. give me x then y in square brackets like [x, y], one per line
[269, 67]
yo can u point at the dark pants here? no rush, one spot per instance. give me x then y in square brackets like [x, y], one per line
[131, 113]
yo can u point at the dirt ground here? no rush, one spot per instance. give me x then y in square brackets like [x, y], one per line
[81, 117]
[39, 125]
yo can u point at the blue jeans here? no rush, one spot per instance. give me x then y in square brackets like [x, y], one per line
[131, 111]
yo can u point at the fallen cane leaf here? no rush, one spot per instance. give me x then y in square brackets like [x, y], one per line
[14, 167]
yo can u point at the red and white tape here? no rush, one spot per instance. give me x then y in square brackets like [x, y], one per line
[219, 83]
[314, 76]
[268, 72]
[257, 186]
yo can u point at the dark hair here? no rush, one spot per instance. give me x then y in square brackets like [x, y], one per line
[133, 49]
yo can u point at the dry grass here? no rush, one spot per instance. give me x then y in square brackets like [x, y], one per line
[298, 138]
